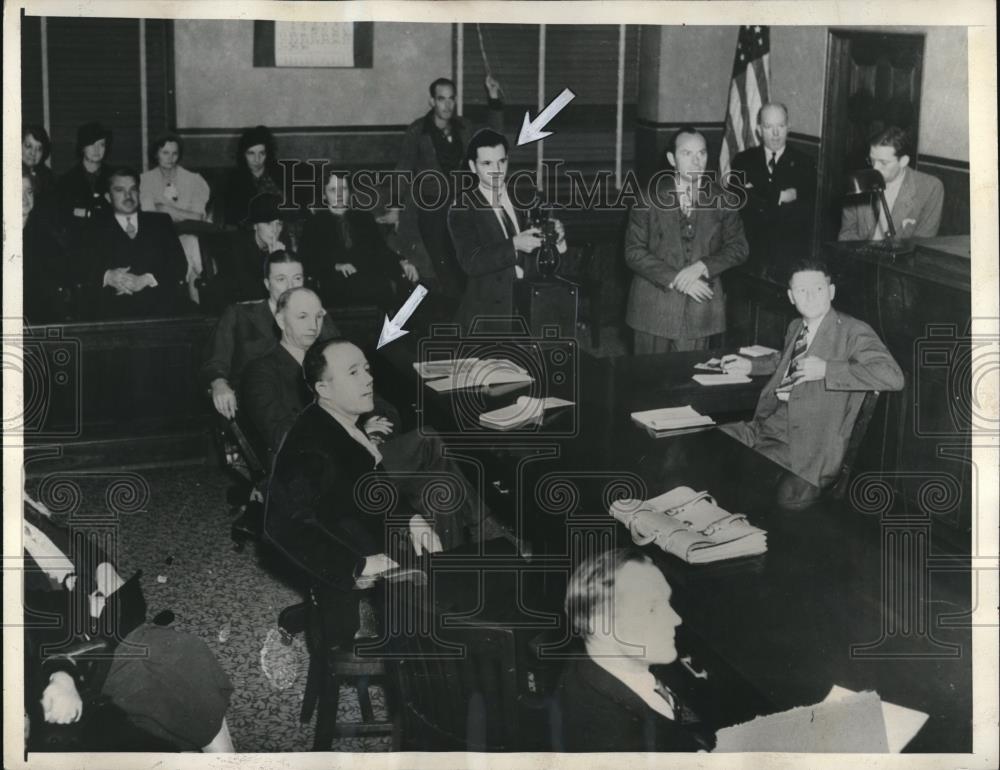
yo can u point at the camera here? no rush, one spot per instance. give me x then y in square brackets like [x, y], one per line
[546, 255]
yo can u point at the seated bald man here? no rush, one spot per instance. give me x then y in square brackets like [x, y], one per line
[618, 604]
[274, 393]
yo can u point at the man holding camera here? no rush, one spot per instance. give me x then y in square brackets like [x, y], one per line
[491, 242]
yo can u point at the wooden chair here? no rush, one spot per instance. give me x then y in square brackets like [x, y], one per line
[459, 701]
[329, 668]
[839, 488]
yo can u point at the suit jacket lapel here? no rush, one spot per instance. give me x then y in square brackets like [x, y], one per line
[903, 206]
[263, 319]
[824, 336]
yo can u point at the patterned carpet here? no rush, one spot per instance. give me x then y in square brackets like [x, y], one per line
[174, 526]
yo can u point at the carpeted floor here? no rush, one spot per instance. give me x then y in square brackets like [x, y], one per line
[177, 533]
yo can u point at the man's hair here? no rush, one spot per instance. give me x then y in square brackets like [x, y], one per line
[672, 144]
[894, 137]
[287, 294]
[441, 82]
[123, 171]
[40, 135]
[808, 264]
[280, 257]
[485, 137]
[158, 145]
[764, 106]
[591, 588]
[314, 362]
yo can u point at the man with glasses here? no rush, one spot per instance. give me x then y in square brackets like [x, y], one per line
[677, 244]
[914, 199]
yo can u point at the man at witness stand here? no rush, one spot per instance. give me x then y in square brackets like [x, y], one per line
[247, 330]
[914, 199]
[133, 257]
[437, 142]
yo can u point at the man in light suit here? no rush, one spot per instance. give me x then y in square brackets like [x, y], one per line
[806, 412]
[491, 242]
[677, 245]
[780, 185]
[618, 604]
[914, 199]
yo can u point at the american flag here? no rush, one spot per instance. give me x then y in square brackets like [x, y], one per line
[748, 90]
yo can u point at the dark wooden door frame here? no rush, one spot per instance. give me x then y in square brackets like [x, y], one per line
[833, 144]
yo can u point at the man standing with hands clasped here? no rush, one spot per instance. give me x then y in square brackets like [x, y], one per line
[805, 414]
[677, 245]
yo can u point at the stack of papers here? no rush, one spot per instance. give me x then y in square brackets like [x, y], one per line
[471, 373]
[524, 411]
[845, 721]
[671, 420]
[720, 379]
[756, 351]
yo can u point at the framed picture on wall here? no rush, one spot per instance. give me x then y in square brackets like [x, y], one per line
[312, 44]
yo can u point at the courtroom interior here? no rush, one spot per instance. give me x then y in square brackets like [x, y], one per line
[381, 425]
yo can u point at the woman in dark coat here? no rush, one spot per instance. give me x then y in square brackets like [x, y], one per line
[344, 250]
[256, 172]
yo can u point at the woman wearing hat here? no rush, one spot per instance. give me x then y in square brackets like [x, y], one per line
[256, 172]
[80, 191]
[243, 269]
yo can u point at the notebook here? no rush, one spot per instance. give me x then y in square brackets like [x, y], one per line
[720, 379]
[524, 411]
[671, 420]
[756, 351]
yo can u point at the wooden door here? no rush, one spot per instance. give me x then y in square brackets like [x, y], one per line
[872, 82]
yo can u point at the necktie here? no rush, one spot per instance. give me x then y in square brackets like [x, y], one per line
[685, 201]
[508, 223]
[130, 230]
[798, 350]
[772, 163]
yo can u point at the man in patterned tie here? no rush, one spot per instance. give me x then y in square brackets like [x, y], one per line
[806, 412]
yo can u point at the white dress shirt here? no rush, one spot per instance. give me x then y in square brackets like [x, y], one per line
[492, 197]
[641, 682]
[891, 193]
[123, 220]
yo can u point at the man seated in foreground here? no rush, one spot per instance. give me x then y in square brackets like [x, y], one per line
[275, 393]
[618, 602]
[247, 330]
[328, 510]
[805, 414]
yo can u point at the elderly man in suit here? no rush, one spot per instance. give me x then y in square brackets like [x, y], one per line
[618, 604]
[437, 142]
[806, 411]
[327, 510]
[914, 199]
[134, 257]
[780, 187]
[247, 330]
[678, 244]
[491, 242]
